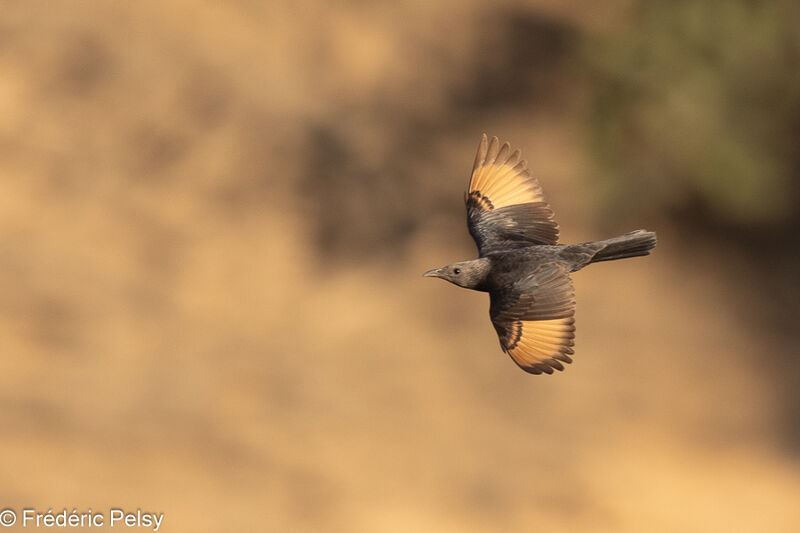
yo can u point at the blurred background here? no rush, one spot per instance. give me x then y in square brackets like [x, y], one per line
[214, 220]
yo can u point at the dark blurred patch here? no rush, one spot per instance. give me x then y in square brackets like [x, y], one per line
[159, 248]
[29, 414]
[520, 60]
[154, 148]
[55, 323]
[356, 209]
[8, 34]
[84, 63]
[205, 97]
[485, 496]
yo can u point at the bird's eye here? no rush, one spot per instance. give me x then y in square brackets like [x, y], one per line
[456, 271]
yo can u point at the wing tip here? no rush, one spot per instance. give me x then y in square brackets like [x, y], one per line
[494, 149]
[547, 365]
[480, 155]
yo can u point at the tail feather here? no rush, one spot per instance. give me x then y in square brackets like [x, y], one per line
[633, 244]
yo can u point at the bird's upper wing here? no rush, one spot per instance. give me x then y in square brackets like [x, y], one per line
[535, 319]
[505, 204]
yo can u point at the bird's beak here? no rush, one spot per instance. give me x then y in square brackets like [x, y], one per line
[435, 273]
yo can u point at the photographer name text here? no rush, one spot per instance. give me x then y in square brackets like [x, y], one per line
[28, 517]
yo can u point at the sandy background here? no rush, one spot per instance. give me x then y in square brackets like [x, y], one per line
[213, 222]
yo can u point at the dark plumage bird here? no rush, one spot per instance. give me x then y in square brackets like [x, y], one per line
[521, 266]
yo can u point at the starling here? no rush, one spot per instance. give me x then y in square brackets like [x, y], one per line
[520, 264]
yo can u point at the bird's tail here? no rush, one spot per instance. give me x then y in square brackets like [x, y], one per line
[632, 244]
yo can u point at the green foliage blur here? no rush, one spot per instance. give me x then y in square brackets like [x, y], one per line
[695, 106]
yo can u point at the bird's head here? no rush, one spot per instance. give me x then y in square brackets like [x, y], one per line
[468, 274]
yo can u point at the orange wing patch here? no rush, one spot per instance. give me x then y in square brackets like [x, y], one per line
[501, 178]
[541, 345]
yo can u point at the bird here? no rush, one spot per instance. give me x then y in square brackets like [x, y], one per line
[520, 263]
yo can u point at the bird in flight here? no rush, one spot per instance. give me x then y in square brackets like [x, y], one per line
[520, 264]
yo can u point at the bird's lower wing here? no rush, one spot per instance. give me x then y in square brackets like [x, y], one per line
[535, 320]
[505, 204]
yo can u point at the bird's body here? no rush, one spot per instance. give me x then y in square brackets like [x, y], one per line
[498, 270]
[521, 267]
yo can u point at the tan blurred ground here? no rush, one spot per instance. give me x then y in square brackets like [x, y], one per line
[214, 217]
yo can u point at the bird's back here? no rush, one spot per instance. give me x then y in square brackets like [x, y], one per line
[510, 266]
